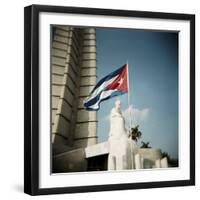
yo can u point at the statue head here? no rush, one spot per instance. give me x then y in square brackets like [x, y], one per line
[118, 104]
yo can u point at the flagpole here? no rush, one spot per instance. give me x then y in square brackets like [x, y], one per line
[128, 96]
[130, 124]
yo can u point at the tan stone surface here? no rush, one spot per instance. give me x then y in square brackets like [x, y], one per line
[89, 56]
[88, 63]
[60, 53]
[60, 45]
[57, 79]
[62, 32]
[72, 161]
[69, 70]
[68, 95]
[89, 30]
[66, 28]
[80, 102]
[62, 127]
[88, 80]
[85, 129]
[150, 153]
[88, 72]
[61, 39]
[56, 90]
[85, 91]
[84, 142]
[58, 69]
[58, 61]
[89, 36]
[69, 57]
[89, 42]
[84, 115]
[89, 49]
[54, 102]
[53, 114]
[96, 150]
[65, 110]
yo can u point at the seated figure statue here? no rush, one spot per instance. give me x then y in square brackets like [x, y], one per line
[117, 123]
[121, 146]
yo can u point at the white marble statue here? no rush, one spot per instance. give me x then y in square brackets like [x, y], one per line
[117, 123]
[121, 147]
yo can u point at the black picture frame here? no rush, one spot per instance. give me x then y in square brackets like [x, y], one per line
[31, 98]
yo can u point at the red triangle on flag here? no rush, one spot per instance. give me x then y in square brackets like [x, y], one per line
[121, 81]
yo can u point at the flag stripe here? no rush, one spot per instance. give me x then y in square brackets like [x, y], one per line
[106, 95]
[100, 89]
[112, 85]
[109, 76]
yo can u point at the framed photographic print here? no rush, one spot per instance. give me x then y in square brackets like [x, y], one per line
[109, 99]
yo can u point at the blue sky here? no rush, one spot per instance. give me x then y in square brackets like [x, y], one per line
[153, 73]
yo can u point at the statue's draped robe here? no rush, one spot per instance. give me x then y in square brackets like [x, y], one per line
[121, 147]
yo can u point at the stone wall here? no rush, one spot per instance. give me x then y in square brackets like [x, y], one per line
[150, 153]
[86, 125]
[149, 157]
[73, 75]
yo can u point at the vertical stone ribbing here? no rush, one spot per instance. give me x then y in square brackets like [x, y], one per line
[86, 124]
[73, 76]
[65, 115]
[60, 121]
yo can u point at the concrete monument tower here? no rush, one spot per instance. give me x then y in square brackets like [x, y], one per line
[73, 75]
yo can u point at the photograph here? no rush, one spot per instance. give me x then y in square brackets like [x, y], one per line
[109, 99]
[114, 99]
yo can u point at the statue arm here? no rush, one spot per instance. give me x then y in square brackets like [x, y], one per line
[114, 113]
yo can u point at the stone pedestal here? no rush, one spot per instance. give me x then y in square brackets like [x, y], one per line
[138, 162]
[158, 163]
[164, 163]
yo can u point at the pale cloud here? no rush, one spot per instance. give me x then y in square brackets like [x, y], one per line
[137, 116]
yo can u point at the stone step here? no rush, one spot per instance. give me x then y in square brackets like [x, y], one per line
[71, 161]
[96, 150]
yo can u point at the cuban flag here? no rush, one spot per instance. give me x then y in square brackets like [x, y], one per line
[114, 84]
